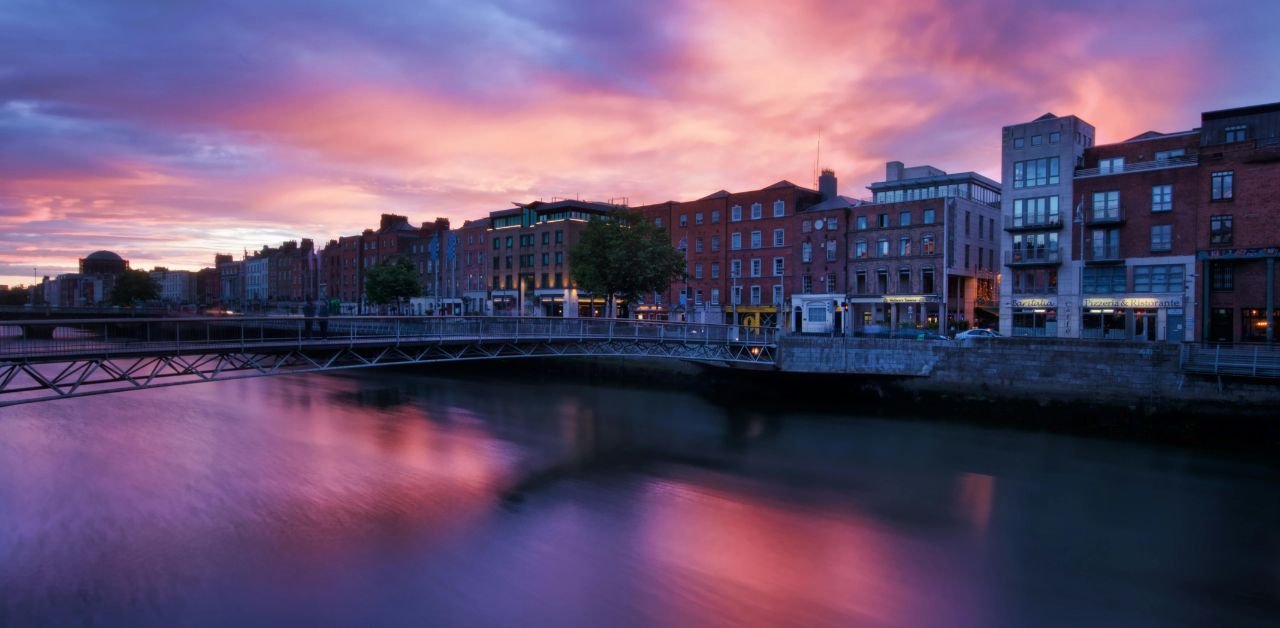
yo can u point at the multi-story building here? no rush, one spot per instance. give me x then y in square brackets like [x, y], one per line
[925, 250]
[1121, 263]
[344, 261]
[743, 252]
[528, 254]
[473, 274]
[1238, 227]
[1040, 284]
[257, 271]
[177, 287]
[230, 281]
[1137, 203]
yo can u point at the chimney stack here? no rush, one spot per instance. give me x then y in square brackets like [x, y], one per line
[827, 184]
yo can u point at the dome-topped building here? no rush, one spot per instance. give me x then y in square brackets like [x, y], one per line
[103, 263]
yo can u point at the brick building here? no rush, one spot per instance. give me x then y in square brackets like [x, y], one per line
[926, 249]
[343, 261]
[474, 269]
[1238, 226]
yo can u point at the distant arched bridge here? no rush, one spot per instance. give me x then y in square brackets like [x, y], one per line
[47, 359]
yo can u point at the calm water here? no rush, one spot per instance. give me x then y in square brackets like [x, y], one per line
[389, 499]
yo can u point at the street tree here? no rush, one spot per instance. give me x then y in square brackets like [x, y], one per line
[133, 287]
[624, 256]
[391, 283]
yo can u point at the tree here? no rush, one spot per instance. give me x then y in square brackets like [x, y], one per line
[391, 282]
[625, 256]
[133, 287]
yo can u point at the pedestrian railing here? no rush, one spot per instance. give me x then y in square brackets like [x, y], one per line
[1233, 360]
[31, 339]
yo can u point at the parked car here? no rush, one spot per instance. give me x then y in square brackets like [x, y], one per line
[977, 333]
[916, 334]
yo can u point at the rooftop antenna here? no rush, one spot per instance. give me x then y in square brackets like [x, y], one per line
[817, 157]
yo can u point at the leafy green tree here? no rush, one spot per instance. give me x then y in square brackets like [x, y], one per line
[391, 283]
[133, 287]
[625, 256]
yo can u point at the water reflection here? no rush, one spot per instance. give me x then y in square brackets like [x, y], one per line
[385, 498]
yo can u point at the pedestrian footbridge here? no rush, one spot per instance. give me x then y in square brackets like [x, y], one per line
[53, 359]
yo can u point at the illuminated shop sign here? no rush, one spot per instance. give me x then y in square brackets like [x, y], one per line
[1134, 302]
[1035, 302]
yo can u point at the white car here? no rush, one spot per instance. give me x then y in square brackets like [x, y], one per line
[977, 333]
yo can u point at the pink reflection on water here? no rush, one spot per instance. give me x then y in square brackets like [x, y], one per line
[975, 494]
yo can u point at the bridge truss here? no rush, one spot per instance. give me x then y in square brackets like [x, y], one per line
[159, 357]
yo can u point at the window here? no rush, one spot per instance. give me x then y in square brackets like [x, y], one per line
[926, 281]
[1222, 185]
[1235, 133]
[737, 295]
[861, 223]
[697, 271]
[546, 259]
[904, 219]
[1035, 172]
[757, 210]
[1106, 205]
[882, 247]
[715, 216]
[778, 266]
[1055, 137]
[697, 245]
[966, 223]
[929, 217]
[904, 281]
[1108, 166]
[756, 267]
[966, 256]
[1031, 212]
[1035, 140]
[1220, 230]
[735, 241]
[777, 294]
[559, 237]
[831, 224]
[882, 281]
[715, 243]
[779, 209]
[497, 244]
[684, 220]
[546, 238]
[658, 221]
[1103, 279]
[927, 245]
[1222, 277]
[1019, 142]
[1161, 238]
[1161, 198]
[1166, 155]
[715, 296]
[735, 268]
[735, 213]
[779, 237]
[1163, 278]
[559, 258]
[904, 247]
[715, 270]
[510, 241]
[756, 240]
[697, 297]
[806, 226]
[831, 250]
[697, 218]
[806, 252]
[806, 284]
[755, 295]
[860, 249]
[883, 221]
[860, 282]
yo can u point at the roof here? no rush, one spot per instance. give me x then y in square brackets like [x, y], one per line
[104, 256]
[1047, 116]
[1241, 111]
[839, 202]
[716, 194]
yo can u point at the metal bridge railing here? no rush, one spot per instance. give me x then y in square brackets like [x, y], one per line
[1240, 361]
[45, 338]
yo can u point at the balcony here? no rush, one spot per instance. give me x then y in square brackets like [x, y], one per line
[1026, 223]
[1112, 216]
[1033, 257]
[1099, 255]
[1172, 162]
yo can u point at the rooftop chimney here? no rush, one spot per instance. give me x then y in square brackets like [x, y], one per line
[827, 184]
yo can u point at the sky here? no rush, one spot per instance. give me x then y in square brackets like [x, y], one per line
[170, 131]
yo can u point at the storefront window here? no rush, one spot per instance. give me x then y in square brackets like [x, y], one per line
[1104, 324]
[1035, 322]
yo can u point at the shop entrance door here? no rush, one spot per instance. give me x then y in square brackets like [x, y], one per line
[1175, 326]
[1144, 325]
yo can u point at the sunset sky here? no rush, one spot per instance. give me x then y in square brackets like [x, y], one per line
[168, 131]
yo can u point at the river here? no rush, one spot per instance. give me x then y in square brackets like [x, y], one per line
[401, 499]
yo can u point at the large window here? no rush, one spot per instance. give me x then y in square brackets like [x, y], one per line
[926, 281]
[929, 216]
[1161, 198]
[715, 216]
[1030, 212]
[1035, 281]
[904, 219]
[1163, 278]
[1223, 184]
[735, 213]
[779, 209]
[757, 211]
[1114, 164]
[755, 295]
[1106, 244]
[882, 247]
[861, 223]
[756, 240]
[1106, 205]
[1035, 172]
[756, 267]
[735, 241]
[860, 249]
[1235, 133]
[831, 250]
[904, 247]
[1103, 280]
[1161, 238]
[904, 281]
[779, 237]
[779, 265]
[1031, 246]
[1220, 230]
[927, 244]
[806, 252]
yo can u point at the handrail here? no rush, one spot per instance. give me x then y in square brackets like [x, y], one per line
[1159, 164]
[52, 337]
